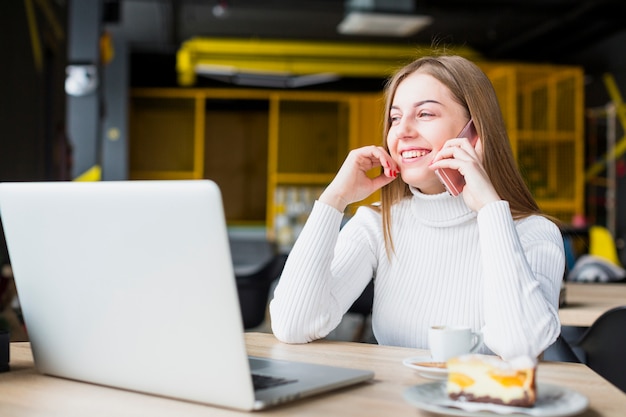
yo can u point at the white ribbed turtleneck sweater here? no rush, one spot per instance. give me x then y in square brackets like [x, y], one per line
[451, 266]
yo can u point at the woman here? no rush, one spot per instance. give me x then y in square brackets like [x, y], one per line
[486, 258]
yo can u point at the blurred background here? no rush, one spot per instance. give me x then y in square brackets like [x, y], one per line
[266, 97]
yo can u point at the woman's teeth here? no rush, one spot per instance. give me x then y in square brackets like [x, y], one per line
[413, 154]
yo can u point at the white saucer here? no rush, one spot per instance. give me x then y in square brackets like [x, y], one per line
[552, 401]
[420, 364]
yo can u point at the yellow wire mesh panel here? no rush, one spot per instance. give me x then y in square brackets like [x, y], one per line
[543, 111]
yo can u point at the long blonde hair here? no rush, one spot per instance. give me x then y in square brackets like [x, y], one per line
[471, 88]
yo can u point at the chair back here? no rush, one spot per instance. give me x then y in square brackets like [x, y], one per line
[604, 346]
[257, 264]
[363, 304]
[254, 290]
[560, 351]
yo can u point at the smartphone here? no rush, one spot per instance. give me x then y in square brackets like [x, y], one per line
[452, 178]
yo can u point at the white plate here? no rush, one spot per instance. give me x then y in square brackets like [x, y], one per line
[426, 371]
[552, 401]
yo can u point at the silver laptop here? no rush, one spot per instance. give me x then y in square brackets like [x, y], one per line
[130, 284]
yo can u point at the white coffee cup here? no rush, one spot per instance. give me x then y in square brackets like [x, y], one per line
[446, 342]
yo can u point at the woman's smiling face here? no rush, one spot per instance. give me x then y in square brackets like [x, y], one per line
[423, 116]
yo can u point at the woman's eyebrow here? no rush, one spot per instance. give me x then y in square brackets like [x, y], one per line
[418, 104]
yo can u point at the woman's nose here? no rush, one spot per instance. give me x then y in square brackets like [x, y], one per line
[406, 127]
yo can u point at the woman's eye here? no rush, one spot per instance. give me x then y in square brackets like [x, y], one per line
[423, 114]
[394, 119]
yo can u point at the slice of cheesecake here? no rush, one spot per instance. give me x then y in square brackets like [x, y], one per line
[489, 379]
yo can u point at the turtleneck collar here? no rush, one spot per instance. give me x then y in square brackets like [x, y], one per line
[440, 210]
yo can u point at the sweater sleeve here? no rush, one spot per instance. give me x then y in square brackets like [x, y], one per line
[322, 277]
[523, 266]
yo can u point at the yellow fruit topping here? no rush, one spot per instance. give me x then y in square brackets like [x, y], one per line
[461, 380]
[510, 380]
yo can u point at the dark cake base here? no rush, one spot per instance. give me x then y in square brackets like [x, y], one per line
[520, 402]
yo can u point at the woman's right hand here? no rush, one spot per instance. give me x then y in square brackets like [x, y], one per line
[352, 183]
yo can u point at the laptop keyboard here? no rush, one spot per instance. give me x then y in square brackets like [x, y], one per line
[264, 382]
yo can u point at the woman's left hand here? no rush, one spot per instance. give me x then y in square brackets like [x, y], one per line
[459, 154]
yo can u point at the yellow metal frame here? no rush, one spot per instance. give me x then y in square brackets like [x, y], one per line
[298, 57]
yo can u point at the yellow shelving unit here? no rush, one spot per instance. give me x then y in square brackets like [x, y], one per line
[256, 144]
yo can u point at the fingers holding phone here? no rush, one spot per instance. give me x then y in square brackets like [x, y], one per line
[465, 170]
[451, 178]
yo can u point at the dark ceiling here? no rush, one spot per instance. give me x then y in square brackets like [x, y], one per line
[526, 30]
[587, 33]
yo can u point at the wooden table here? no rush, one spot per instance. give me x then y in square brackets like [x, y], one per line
[24, 392]
[585, 302]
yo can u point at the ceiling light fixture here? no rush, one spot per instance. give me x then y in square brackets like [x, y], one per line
[382, 18]
[267, 79]
[382, 24]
